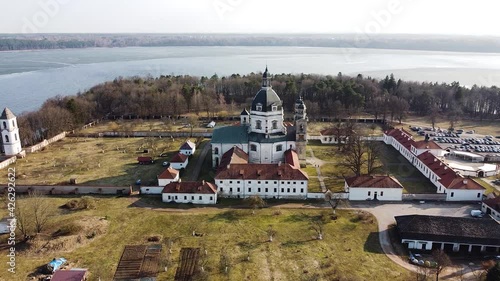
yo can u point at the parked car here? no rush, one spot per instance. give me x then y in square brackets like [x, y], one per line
[145, 160]
[476, 213]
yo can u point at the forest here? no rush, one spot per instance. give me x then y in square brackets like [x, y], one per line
[336, 97]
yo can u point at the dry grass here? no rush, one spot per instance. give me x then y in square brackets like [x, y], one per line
[349, 251]
[103, 161]
[481, 127]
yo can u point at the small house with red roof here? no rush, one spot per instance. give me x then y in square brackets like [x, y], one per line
[491, 207]
[179, 161]
[420, 147]
[166, 177]
[188, 148]
[382, 188]
[190, 192]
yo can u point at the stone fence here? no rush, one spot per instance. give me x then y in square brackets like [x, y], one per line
[143, 134]
[73, 189]
[45, 143]
[7, 162]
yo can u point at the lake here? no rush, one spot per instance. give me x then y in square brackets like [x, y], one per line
[28, 78]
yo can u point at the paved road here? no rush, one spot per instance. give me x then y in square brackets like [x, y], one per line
[385, 216]
[199, 162]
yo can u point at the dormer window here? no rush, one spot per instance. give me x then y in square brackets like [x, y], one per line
[258, 107]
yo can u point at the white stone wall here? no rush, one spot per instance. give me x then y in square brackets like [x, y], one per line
[266, 119]
[10, 136]
[179, 166]
[487, 210]
[263, 188]
[382, 194]
[464, 195]
[193, 198]
[267, 153]
[223, 148]
[151, 189]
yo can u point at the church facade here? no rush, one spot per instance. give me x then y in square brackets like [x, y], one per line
[9, 131]
[262, 132]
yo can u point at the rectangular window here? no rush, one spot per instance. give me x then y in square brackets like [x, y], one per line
[249, 182]
[301, 190]
[211, 198]
[200, 198]
[169, 197]
[478, 195]
[221, 189]
[266, 182]
[266, 190]
[288, 190]
[221, 182]
[249, 190]
[231, 189]
[369, 193]
[282, 190]
[258, 189]
[381, 193]
[258, 182]
[185, 198]
[192, 197]
[275, 190]
[452, 194]
[176, 197]
[294, 190]
[275, 182]
[230, 181]
[238, 189]
[238, 182]
[302, 182]
[288, 183]
[294, 182]
[279, 148]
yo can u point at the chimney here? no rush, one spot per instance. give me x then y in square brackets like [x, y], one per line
[279, 163]
[465, 181]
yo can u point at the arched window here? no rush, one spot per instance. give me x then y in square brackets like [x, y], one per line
[216, 150]
[13, 124]
[258, 125]
[258, 107]
[275, 125]
[253, 147]
[4, 125]
[15, 136]
[6, 138]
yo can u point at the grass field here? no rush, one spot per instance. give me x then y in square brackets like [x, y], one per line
[102, 161]
[350, 249]
[391, 162]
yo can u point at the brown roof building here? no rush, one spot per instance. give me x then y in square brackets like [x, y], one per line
[373, 181]
[191, 187]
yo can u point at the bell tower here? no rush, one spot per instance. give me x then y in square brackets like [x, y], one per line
[11, 142]
[300, 118]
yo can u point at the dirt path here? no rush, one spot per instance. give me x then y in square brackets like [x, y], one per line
[199, 163]
[317, 164]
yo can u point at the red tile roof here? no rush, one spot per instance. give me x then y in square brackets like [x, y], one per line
[373, 181]
[179, 158]
[292, 159]
[426, 145]
[69, 275]
[493, 203]
[191, 187]
[169, 174]
[235, 155]
[262, 172]
[188, 145]
[448, 177]
[144, 159]
[401, 136]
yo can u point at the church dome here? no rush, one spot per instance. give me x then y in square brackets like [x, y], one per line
[266, 98]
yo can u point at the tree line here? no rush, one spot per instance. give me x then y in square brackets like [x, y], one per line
[337, 96]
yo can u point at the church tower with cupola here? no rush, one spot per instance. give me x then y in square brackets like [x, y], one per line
[300, 118]
[11, 142]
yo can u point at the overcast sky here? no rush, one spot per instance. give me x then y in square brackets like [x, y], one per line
[479, 17]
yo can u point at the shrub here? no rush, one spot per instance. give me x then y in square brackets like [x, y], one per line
[68, 229]
[84, 203]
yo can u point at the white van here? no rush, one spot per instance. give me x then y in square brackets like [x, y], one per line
[476, 213]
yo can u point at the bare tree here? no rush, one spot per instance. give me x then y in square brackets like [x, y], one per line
[33, 213]
[255, 202]
[372, 155]
[354, 155]
[318, 223]
[423, 273]
[442, 261]
[271, 233]
[333, 199]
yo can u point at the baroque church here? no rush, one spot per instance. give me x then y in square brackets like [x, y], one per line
[262, 133]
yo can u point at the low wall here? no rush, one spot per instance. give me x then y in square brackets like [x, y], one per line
[143, 134]
[152, 189]
[423, 197]
[73, 189]
[7, 162]
[315, 196]
[45, 143]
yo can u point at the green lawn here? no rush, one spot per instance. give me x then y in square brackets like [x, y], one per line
[350, 249]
